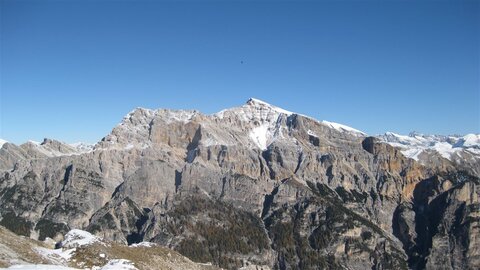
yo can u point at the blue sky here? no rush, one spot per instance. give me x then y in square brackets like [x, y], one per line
[71, 70]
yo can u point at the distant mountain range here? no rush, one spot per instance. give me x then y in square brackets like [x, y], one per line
[254, 187]
[416, 145]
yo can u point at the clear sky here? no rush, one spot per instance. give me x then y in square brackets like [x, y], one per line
[71, 70]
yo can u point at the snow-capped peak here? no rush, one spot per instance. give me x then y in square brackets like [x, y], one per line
[2, 142]
[262, 104]
[34, 142]
[469, 140]
[254, 110]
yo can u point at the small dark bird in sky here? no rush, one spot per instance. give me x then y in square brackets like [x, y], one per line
[241, 62]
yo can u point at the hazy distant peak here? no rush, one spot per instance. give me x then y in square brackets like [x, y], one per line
[415, 144]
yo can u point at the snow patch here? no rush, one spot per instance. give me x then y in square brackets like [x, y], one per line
[40, 267]
[78, 238]
[444, 149]
[260, 135]
[117, 264]
[311, 133]
[342, 128]
[2, 142]
[412, 153]
[469, 141]
[58, 256]
[143, 244]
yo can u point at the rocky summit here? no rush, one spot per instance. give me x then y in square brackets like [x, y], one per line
[254, 187]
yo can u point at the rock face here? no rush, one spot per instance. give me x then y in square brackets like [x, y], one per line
[252, 186]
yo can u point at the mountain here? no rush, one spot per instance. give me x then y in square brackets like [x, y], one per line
[253, 186]
[464, 151]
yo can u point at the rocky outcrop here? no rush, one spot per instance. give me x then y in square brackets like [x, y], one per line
[249, 186]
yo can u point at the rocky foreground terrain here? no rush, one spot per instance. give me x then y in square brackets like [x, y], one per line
[81, 250]
[256, 187]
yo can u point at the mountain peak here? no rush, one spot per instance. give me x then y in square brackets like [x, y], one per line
[2, 142]
[253, 101]
[257, 103]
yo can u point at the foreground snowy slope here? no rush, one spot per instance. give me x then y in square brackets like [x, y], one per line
[82, 250]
